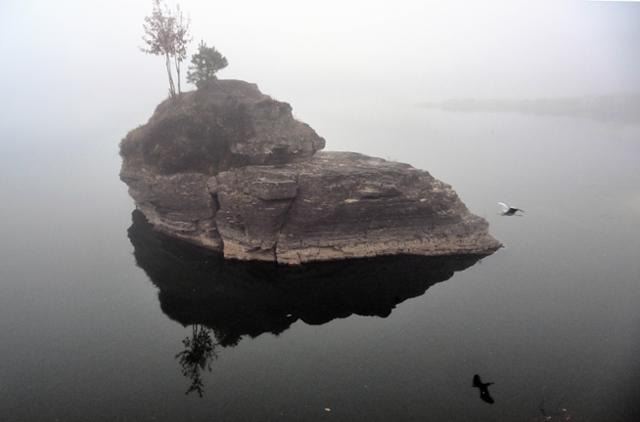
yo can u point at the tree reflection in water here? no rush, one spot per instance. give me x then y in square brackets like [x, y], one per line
[199, 353]
[225, 301]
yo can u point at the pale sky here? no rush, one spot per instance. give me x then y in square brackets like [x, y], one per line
[80, 58]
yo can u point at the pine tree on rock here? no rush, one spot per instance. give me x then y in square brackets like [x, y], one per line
[204, 65]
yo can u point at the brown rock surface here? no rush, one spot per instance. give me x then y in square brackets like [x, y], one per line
[228, 168]
[230, 124]
[341, 205]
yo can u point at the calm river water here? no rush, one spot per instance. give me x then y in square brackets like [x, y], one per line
[102, 320]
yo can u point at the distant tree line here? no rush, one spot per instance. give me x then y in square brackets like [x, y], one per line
[166, 33]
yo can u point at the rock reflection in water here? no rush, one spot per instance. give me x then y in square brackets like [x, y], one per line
[232, 299]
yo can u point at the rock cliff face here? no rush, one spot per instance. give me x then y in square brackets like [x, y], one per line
[230, 169]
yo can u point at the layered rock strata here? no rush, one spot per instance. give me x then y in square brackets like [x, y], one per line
[230, 169]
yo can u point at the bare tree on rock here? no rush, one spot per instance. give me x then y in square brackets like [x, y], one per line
[167, 34]
[182, 40]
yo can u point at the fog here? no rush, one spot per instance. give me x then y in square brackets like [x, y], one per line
[506, 101]
[74, 68]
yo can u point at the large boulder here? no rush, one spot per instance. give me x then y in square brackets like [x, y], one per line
[228, 168]
[167, 161]
[342, 205]
[229, 124]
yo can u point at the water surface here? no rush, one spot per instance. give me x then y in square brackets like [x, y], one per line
[100, 319]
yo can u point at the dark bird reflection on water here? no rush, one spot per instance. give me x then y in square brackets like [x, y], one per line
[231, 299]
[484, 389]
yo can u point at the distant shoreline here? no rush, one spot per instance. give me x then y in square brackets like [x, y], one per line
[618, 108]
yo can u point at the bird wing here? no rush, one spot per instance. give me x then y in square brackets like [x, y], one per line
[504, 206]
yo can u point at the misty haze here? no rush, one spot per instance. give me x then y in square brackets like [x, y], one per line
[350, 211]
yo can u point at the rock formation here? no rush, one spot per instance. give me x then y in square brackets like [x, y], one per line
[230, 169]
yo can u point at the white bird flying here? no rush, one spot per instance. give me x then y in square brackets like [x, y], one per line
[508, 210]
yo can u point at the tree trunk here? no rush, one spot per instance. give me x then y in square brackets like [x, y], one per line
[172, 88]
[177, 63]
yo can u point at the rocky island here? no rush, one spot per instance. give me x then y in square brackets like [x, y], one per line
[229, 169]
